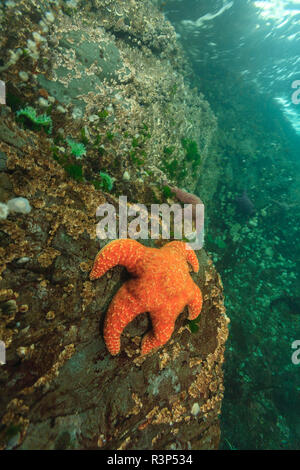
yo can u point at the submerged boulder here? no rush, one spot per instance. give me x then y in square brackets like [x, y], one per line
[61, 389]
[113, 75]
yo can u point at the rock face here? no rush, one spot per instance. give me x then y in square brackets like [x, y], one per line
[113, 74]
[104, 92]
[61, 388]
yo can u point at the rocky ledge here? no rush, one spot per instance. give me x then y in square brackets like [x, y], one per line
[61, 389]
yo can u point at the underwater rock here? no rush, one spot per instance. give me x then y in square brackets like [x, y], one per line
[63, 390]
[126, 176]
[3, 211]
[79, 50]
[115, 71]
[19, 204]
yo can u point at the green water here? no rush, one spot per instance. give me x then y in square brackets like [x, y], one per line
[256, 252]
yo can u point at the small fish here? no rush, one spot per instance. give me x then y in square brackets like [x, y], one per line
[186, 198]
[285, 205]
[245, 205]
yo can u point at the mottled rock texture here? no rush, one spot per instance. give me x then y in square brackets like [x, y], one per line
[113, 72]
[60, 388]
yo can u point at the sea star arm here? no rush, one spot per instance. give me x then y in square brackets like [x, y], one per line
[122, 310]
[124, 252]
[186, 251]
[192, 258]
[162, 329]
[195, 304]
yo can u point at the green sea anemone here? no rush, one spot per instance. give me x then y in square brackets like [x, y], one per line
[107, 181]
[43, 120]
[77, 149]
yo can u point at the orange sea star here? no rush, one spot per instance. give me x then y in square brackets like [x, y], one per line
[161, 285]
